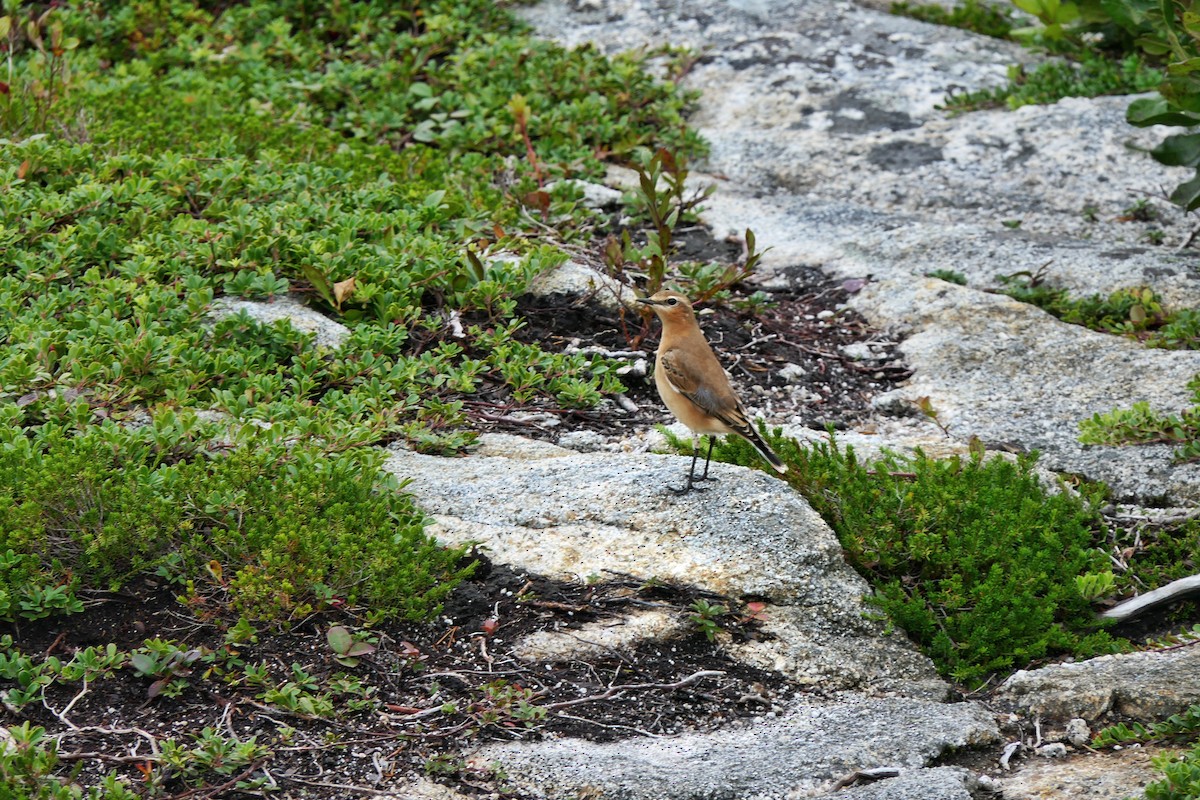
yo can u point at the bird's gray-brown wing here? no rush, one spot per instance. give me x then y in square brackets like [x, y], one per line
[705, 385]
[712, 393]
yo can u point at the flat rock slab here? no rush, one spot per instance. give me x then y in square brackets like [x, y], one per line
[1010, 373]
[1147, 686]
[1113, 775]
[325, 331]
[748, 534]
[935, 783]
[585, 514]
[800, 754]
[826, 132]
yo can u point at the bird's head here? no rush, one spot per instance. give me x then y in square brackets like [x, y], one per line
[668, 305]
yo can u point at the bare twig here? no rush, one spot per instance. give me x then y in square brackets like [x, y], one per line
[96, 755]
[1009, 750]
[62, 715]
[1191, 237]
[874, 774]
[613, 691]
[639, 731]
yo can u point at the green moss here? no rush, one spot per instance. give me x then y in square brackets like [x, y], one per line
[948, 275]
[1131, 311]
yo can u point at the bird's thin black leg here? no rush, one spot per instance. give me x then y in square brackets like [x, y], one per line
[707, 459]
[691, 480]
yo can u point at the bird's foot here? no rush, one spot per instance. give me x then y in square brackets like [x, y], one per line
[690, 487]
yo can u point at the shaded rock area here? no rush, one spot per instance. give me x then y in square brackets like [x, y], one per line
[748, 535]
[764, 759]
[1145, 686]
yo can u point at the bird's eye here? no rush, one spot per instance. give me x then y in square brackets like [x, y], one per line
[673, 301]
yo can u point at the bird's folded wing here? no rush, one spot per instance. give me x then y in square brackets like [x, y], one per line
[713, 396]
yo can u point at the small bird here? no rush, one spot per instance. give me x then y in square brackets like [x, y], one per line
[695, 388]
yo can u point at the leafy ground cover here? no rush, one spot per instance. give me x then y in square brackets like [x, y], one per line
[252, 607]
[136, 694]
[274, 704]
[372, 157]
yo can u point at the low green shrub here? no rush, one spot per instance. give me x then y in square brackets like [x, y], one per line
[268, 531]
[27, 765]
[1141, 424]
[1181, 771]
[974, 559]
[364, 156]
[1130, 311]
[1092, 75]
[1181, 776]
[1177, 725]
[980, 16]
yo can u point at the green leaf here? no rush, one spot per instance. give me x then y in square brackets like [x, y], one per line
[1131, 15]
[340, 640]
[1184, 67]
[1180, 150]
[360, 649]
[1187, 194]
[1067, 12]
[320, 281]
[1191, 23]
[1146, 111]
[144, 663]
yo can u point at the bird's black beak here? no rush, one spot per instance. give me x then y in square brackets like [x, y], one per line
[645, 300]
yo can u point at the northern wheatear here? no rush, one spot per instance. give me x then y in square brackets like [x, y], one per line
[692, 383]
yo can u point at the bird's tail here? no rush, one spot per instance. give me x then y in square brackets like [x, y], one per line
[752, 436]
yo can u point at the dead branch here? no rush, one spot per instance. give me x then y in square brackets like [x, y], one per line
[1174, 590]
[613, 691]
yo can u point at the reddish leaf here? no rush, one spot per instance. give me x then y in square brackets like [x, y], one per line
[538, 200]
[361, 649]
